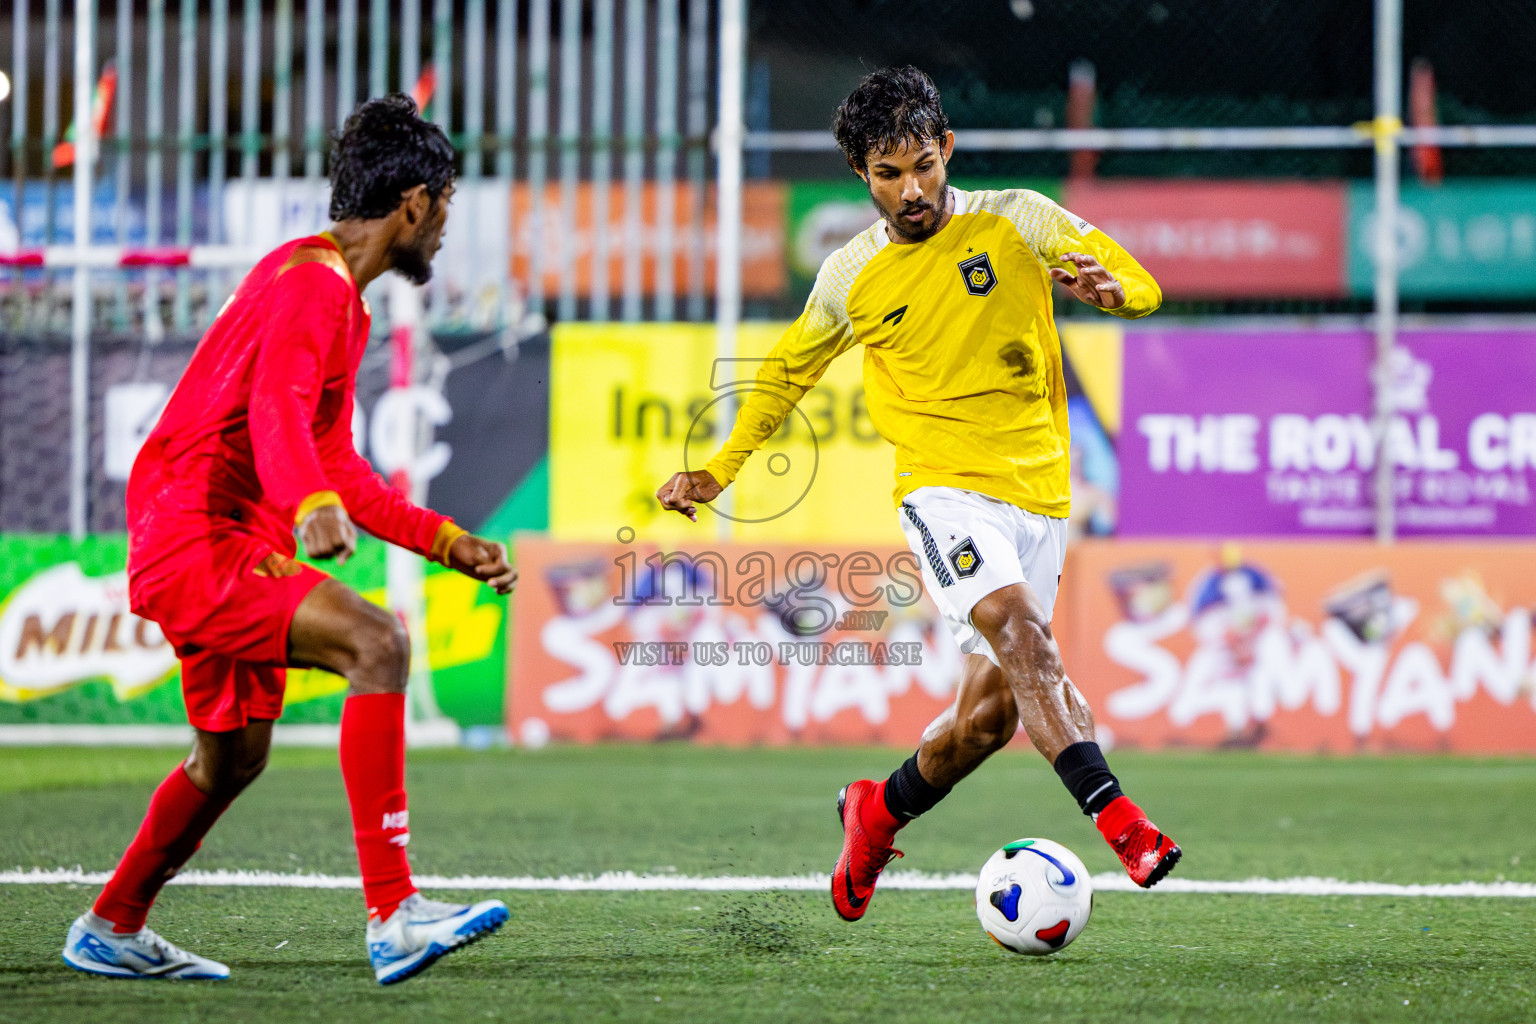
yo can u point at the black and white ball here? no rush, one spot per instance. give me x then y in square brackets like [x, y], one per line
[1034, 897]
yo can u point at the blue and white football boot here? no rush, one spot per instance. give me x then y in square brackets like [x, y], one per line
[93, 947]
[421, 930]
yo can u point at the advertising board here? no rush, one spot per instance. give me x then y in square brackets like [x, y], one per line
[1321, 646]
[71, 652]
[1251, 433]
[1224, 239]
[692, 231]
[1459, 240]
[730, 643]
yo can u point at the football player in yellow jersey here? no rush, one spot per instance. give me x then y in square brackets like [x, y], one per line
[950, 295]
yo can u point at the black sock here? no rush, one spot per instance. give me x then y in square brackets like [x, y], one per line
[1087, 777]
[908, 794]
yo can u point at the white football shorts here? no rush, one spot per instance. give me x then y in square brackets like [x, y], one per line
[970, 544]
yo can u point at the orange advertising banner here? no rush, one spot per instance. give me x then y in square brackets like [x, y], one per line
[1304, 646]
[1314, 647]
[693, 237]
[733, 644]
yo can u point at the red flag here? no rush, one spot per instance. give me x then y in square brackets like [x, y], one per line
[422, 91]
[1082, 97]
[101, 105]
[1421, 113]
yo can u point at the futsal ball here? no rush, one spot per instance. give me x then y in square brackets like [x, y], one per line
[1033, 897]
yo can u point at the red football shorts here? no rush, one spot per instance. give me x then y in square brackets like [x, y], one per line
[225, 602]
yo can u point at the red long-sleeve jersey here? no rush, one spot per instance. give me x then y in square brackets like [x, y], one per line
[259, 430]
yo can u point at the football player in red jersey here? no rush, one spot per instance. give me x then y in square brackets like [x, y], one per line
[255, 446]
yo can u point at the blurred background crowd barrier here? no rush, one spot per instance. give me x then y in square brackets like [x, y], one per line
[1340, 204]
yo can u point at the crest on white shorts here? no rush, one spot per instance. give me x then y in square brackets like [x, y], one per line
[965, 558]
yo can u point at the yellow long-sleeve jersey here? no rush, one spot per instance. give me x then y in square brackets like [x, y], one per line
[962, 365]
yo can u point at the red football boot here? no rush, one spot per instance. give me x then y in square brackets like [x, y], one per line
[868, 828]
[1147, 854]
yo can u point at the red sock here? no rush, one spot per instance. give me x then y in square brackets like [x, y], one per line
[1117, 816]
[179, 816]
[373, 768]
[877, 818]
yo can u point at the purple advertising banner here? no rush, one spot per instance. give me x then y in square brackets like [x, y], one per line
[1270, 433]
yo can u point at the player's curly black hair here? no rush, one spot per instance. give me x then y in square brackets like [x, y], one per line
[384, 149]
[890, 107]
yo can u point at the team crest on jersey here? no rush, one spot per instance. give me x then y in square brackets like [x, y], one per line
[965, 558]
[978, 275]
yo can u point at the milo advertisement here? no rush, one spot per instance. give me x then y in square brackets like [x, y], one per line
[71, 652]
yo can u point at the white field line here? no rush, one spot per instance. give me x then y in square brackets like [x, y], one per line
[625, 881]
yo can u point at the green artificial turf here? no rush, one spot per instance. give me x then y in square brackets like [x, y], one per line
[706, 957]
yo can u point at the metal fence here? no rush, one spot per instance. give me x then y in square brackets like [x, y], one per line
[585, 126]
[605, 142]
[583, 130]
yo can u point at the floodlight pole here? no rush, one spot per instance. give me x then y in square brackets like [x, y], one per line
[730, 136]
[80, 303]
[1386, 131]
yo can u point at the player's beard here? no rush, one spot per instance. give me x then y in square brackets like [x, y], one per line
[925, 231]
[414, 260]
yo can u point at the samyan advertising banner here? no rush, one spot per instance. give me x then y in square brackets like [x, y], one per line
[1337, 646]
[733, 643]
[1271, 433]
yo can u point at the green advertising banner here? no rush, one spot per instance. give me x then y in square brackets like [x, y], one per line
[71, 653]
[824, 215]
[1461, 239]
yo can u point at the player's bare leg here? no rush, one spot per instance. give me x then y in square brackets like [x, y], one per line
[1060, 725]
[223, 764]
[1053, 712]
[979, 723]
[335, 629]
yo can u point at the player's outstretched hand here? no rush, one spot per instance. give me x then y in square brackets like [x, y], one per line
[327, 532]
[1094, 284]
[680, 492]
[483, 560]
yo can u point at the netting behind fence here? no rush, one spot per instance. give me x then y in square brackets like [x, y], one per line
[1153, 64]
[584, 127]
